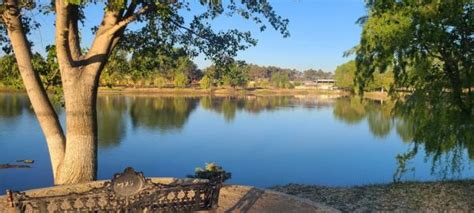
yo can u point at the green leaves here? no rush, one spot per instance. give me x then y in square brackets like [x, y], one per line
[345, 75]
[281, 80]
[211, 171]
[180, 80]
[76, 2]
[164, 26]
[427, 44]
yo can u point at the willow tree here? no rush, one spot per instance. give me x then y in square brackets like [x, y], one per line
[161, 23]
[429, 45]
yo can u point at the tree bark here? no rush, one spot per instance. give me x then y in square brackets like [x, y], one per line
[42, 106]
[74, 156]
[80, 160]
[80, 92]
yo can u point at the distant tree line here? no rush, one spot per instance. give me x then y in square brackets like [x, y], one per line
[257, 72]
[143, 69]
[164, 68]
[150, 69]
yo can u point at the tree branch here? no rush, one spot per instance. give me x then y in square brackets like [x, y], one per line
[126, 20]
[188, 29]
[62, 35]
[130, 11]
[97, 55]
[40, 102]
[73, 33]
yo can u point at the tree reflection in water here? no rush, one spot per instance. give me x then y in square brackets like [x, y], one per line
[438, 128]
[444, 132]
[111, 120]
[161, 113]
[12, 105]
[228, 106]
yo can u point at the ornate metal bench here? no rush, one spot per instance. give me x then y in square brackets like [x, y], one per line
[129, 191]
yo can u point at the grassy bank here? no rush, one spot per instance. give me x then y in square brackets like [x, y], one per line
[443, 196]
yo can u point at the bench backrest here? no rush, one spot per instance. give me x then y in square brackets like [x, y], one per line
[128, 191]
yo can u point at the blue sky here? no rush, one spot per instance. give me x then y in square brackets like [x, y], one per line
[321, 30]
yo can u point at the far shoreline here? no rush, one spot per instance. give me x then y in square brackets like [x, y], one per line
[220, 91]
[198, 92]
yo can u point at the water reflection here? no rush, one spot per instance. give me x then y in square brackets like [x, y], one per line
[353, 110]
[12, 105]
[350, 110]
[111, 112]
[161, 113]
[444, 134]
[228, 106]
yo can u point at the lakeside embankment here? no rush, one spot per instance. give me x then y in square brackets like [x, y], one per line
[441, 196]
[224, 91]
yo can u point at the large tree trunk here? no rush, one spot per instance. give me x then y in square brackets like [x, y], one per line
[44, 111]
[80, 161]
[80, 81]
[76, 160]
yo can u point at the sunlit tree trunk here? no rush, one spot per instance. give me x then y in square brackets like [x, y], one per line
[44, 111]
[74, 155]
[80, 76]
[80, 158]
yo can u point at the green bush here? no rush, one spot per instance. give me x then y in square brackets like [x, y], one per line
[227, 81]
[263, 84]
[281, 80]
[160, 82]
[211, 171]
[205, 82]
[180, 80]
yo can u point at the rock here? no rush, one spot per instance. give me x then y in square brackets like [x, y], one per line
[25, 161]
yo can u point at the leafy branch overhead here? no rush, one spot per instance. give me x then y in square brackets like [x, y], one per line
[161, 24]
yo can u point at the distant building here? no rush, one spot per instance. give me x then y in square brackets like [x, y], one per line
[326, 84]
[325, 81]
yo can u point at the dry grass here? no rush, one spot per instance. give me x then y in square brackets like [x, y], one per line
[448, 196]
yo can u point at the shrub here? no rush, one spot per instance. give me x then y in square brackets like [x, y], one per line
[180, 80]
[211, 171]
[205, 82]
[281, 80]
[263, 84]
[160, 82]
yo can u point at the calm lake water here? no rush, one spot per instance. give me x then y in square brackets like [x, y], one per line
[263, 141]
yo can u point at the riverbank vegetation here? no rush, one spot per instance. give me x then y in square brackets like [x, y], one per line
[428, 46]
[345, 78]
[155, 69]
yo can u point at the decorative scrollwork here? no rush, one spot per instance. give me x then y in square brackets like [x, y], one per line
[129, 190]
